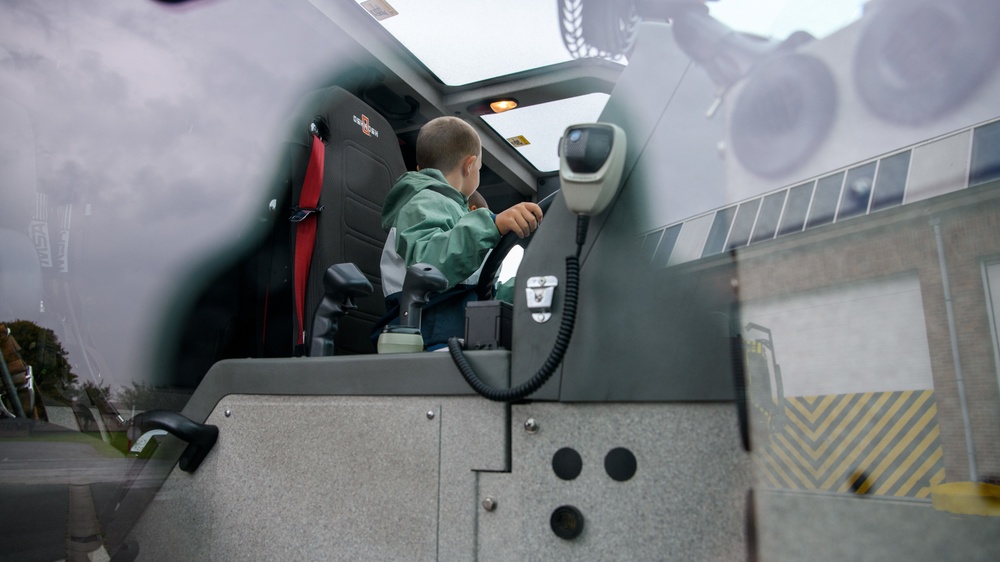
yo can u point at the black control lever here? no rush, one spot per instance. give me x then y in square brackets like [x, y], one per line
[342, 282]
[421, 280]
[199, 437]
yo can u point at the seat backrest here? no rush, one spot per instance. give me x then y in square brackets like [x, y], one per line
[362, 159]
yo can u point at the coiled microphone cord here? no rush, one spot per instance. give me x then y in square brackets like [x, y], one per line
[558, 349]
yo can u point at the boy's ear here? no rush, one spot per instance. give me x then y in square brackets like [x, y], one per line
[467, 163]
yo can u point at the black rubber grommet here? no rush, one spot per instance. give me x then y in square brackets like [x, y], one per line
[566, 463]
[566, 522]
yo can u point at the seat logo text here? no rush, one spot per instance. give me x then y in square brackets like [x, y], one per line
[366, 127]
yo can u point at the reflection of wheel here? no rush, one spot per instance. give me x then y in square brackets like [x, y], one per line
[598, 28]
[784, 112]
[920, 59]
[491, 267]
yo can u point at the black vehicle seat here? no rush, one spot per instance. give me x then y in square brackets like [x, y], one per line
[361, 161]
[245, 307]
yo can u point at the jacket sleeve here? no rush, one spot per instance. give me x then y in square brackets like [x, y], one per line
[434, 229]
[505, 290]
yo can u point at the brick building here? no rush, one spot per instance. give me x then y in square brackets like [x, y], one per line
[875, 289]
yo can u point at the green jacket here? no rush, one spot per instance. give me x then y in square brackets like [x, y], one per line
[434, 225]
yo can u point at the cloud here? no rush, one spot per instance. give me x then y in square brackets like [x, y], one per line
[161, 128]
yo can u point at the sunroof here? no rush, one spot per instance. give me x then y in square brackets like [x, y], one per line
[535, 130]
[779, 18]
[463, 42]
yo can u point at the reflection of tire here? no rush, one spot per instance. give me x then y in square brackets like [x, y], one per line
[903, 73]
[782, 115]
[598, 29]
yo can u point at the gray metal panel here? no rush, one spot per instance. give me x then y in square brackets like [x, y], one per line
[332, 478]
[419, 374]
[644, 334]
[686, 500]
[555, 239]
[475, 436]
[641, 335]
[545, 255]
[405, 374]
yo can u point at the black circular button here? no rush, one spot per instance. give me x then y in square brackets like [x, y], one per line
[620, 464]
[567, 463]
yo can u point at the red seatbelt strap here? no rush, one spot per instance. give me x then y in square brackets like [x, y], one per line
[305, 231]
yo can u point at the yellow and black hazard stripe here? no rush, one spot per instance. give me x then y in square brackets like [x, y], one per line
[877, 443]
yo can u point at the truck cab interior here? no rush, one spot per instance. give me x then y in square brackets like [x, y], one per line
[757, 322]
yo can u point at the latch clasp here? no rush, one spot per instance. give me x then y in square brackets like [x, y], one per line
[539, 292]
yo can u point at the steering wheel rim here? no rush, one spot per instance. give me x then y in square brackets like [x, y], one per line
[491, 267]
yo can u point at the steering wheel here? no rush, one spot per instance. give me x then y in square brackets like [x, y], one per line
[491, 267]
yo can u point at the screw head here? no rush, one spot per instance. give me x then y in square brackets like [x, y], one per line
[430, 414]
[489, 504]
[531, 426]
[229, 413]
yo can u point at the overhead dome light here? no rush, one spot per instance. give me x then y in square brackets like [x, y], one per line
[500, 106]
[490, 107]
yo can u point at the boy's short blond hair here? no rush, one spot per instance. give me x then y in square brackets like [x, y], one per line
[444, 142]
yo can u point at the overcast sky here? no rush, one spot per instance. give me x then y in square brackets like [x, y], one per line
[164, 124]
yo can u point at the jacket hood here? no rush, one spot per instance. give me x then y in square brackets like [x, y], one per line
[411, 183]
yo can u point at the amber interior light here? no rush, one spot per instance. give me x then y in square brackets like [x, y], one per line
[500, 106]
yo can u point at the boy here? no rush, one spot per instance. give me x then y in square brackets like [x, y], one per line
[429, 210]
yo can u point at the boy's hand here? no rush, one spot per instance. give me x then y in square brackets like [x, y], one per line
[521, 219]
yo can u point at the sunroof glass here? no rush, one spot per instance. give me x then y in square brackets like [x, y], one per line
[463, 42]
[535, 130]
[779, 18]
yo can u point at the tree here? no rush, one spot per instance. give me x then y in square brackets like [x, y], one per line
[138, 398]
[41, 349]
